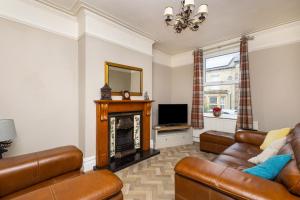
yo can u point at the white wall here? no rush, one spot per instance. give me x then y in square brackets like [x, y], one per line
[97, 51]
[275, 86]
[182, 87]
[53, 69]
[162, 88]
[38, 84]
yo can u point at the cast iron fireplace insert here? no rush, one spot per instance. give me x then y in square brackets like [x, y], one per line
[125, 140]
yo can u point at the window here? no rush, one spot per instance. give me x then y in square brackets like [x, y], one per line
[213, 102]
[222, 102]
[221, 83]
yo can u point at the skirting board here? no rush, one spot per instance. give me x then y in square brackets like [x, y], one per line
[90, 162]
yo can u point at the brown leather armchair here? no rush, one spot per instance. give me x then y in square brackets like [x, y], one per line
[55, 174]
[223, 179]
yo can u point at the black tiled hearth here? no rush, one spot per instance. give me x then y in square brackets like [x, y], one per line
[121, 163]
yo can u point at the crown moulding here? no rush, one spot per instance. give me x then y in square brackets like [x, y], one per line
[265, 39]
[79, 5]
[48, 18]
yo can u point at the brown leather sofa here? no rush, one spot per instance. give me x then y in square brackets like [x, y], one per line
[222, 178]
[55, 175]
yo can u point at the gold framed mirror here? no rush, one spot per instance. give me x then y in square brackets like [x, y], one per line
[123, 77]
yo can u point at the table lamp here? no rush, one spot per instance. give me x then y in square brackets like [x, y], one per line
[7, 134]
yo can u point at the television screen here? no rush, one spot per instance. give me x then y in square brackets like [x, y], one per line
[169, 114]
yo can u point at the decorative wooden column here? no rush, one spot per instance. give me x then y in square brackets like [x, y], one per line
[103, 108]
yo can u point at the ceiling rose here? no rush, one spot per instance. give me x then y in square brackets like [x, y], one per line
[184, 18]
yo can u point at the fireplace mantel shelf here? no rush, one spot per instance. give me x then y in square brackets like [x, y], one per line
[123, 101]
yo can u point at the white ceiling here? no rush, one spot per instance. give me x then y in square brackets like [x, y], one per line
[227, 19]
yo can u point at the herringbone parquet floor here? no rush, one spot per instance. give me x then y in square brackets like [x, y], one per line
[153, 179]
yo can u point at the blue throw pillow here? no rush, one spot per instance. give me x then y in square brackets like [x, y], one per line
[270, 168]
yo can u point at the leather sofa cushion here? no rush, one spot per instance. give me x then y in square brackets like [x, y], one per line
[189, 189]
[242, 151]
[101, 184]
[237, 155]
[20, 172]
[43, 184]
[233, 162]
[296, 144]
[255, 138]
[290, 175]
[231, 182]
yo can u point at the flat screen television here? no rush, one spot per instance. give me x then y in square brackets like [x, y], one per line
[172, 114]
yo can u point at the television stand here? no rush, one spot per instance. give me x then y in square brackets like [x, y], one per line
[168, 125]
[175, 135]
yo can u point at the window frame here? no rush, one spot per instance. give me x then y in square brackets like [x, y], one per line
[217, 53]
[212, 103]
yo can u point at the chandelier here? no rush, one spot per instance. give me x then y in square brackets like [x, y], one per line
[184, 18]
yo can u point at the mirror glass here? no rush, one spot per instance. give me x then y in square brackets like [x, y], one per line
[121, 77]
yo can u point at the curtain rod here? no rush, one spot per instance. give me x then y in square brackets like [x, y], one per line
[227, 45]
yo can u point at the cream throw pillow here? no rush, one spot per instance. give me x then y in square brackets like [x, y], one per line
[274, 135]
[270, 151]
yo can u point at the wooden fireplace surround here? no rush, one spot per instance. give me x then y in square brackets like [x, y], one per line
[103, 108]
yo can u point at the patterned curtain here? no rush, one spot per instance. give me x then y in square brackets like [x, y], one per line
[244, 119]
[197, 107]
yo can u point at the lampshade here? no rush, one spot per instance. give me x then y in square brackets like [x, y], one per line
[189, 3]
[168, 11]
[203, 9]
[7, 130]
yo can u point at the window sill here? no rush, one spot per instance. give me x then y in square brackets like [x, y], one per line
[223, 116]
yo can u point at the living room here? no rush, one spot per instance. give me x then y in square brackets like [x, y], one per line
[201, 86]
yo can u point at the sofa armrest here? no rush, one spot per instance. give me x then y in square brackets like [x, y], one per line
[231, 182]
[101, 184]
[251, 137]
[23, 171]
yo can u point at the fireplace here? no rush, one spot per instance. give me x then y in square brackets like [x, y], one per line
[122, 133]
[125, 133]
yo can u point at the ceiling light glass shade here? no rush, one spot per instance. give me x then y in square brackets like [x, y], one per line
[168, 11]
[177, 21]
[190, 3]
[203, 9]
[195, 21]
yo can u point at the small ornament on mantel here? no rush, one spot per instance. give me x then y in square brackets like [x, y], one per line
[106, 92]
[125, 95]
[146, 96]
